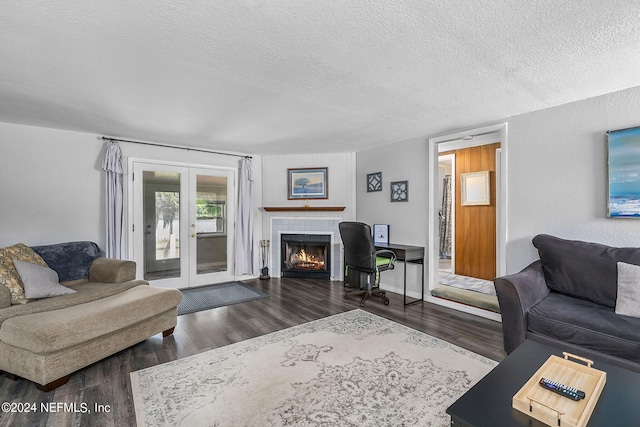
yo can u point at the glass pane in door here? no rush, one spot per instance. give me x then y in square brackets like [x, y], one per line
[161, 206]
[211, 224]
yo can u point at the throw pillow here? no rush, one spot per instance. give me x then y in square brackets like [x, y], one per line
[39, 281]
[628, 300]
[9, 277]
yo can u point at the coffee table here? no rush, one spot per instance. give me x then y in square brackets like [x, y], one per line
[488, 403]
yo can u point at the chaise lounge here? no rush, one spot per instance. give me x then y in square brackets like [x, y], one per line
[100, 309]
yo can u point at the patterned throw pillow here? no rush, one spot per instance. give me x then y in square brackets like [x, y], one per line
[9, 276]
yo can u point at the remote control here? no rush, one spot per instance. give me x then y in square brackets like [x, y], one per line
[561, 389]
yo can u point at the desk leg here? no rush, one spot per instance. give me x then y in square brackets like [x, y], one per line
[404, 262]
[422, 267]
[421, 263]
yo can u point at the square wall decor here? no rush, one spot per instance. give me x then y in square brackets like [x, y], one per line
[400, 191]
[374, 182]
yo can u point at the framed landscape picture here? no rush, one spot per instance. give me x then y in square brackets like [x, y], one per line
[308, 183]
[624, 173]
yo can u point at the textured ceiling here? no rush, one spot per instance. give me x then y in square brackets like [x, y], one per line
[265, 77]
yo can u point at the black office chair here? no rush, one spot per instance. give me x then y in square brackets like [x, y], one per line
[360, 256]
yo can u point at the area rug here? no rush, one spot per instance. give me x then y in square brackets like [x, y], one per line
[351, 369]
[468, 297]
[465, 282]
[218, 295]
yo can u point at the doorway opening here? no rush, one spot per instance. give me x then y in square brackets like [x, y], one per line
[466, 219]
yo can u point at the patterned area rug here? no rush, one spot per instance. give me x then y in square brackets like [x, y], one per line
[351, 369]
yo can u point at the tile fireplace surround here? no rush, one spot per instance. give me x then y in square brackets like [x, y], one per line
[306, 225]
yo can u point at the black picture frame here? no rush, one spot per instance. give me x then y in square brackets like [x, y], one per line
[374, 182]
[400, 191]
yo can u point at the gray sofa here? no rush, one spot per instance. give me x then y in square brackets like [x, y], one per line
[568, 299]
[45, 340]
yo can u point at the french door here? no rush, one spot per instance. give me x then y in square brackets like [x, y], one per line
[183, 219]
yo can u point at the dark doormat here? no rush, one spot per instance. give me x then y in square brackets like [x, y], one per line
[217, 295]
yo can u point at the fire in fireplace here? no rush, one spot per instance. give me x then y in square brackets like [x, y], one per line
[304, 261]
[306, 255]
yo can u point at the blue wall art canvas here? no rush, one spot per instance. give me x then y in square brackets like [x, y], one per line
[624, 173]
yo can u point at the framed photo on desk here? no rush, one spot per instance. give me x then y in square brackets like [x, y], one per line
[381, 233]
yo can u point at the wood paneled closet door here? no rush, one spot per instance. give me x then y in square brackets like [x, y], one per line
[475, 226]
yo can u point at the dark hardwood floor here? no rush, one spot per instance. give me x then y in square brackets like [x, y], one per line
[291, 302]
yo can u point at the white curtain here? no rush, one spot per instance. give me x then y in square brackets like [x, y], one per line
[112, 166]
[244, 220]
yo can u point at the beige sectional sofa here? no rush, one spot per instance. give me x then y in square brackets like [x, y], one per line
[45, 340]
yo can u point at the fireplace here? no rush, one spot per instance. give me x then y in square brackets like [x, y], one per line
[306, 256]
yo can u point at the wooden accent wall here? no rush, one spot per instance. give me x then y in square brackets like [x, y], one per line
[475, 226]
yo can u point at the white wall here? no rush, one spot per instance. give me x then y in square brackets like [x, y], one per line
[53, 187]
[557, 174]
[556, 178]
[407, 220]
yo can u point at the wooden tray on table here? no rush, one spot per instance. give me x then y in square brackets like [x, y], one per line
[553, 409]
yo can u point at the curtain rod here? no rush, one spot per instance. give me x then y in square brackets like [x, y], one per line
[181, 147]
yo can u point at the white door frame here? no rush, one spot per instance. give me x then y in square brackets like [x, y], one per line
[463, 138]
[232, 198]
